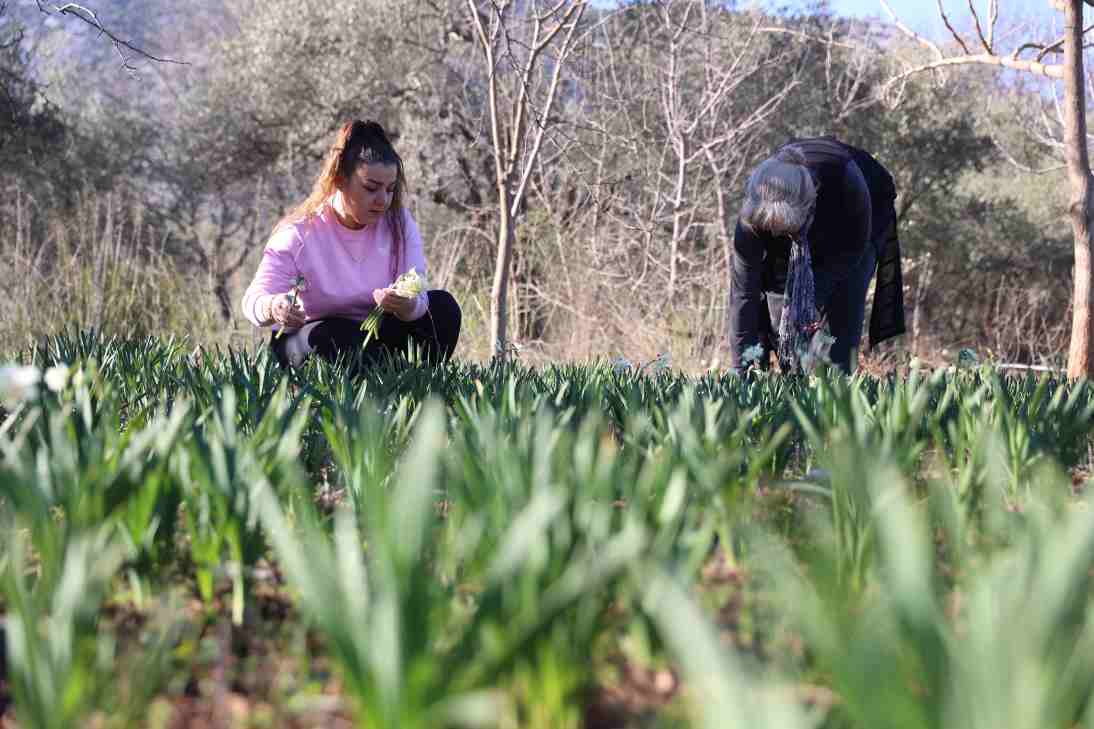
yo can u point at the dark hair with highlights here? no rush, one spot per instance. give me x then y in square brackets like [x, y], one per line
[358, 142]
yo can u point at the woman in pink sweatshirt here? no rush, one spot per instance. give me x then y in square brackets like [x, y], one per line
[339, 252]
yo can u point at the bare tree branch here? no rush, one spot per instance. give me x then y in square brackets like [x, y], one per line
[987, 39]
[993, 20]
[570, 21]
[1053, 71]
[1056, 46]
[991, 55]
[120, 45]
[912, 34]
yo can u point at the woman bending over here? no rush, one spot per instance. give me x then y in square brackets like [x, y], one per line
[817, 222]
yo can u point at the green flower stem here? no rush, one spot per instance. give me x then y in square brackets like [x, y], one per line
[371, 324]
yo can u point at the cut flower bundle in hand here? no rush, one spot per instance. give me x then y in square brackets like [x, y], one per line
[409, 285]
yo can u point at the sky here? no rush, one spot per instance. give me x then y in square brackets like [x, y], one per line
[923, 14]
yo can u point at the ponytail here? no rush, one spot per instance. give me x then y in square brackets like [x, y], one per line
[358, 142]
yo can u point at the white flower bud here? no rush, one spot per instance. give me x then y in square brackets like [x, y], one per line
[620, 365]
[18, 383]
[56, 377]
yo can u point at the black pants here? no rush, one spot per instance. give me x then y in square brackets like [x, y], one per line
[436, 335]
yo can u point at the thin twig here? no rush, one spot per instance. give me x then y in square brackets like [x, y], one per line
[993, 20]
[953, 32]
[979, 31]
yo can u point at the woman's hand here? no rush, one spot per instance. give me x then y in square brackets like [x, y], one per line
[391, 302]
[286, 312]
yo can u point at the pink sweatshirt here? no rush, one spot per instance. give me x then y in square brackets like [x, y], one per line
[342, 267]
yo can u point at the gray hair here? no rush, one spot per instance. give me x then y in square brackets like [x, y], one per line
[780, 194]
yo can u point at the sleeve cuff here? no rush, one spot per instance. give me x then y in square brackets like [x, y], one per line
[256, 307]
[421, 306]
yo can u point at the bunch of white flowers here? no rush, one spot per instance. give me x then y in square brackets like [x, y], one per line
[409, 285]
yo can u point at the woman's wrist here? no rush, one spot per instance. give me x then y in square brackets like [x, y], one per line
[263, 310]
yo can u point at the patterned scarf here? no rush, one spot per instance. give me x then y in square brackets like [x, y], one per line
[800, 319]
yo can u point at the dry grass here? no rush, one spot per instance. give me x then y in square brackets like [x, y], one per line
[101, 266]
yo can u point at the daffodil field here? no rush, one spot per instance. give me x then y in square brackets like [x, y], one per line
[197, 539]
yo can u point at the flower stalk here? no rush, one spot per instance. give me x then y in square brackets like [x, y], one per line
[299, 284]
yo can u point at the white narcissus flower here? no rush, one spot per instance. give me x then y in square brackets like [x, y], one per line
[820, 346]
[818, 352]
[621, 364]
[18, 383]
[410, 284]
[752, 355]
[56, 377]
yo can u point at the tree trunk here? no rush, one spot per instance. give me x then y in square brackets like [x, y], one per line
[726, 228]
[677, 214]
[223, 298]
[1078, 172]
[499, 308]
